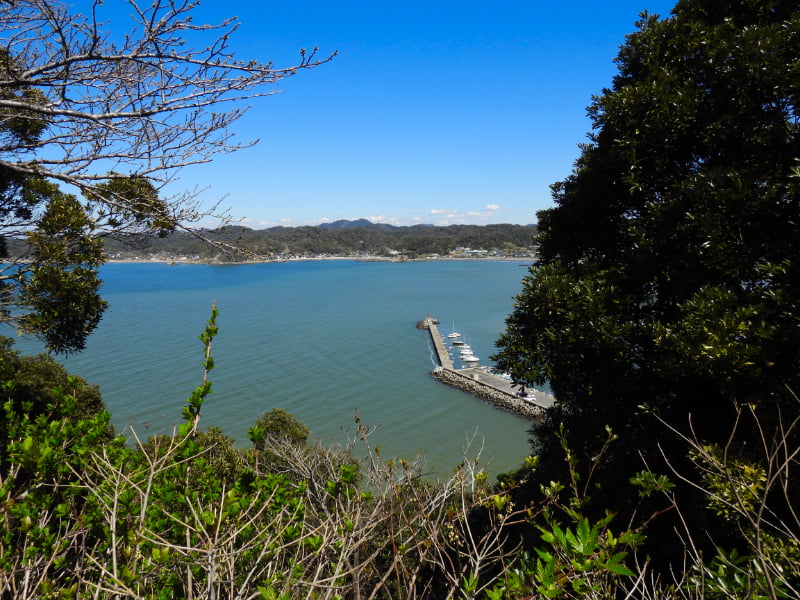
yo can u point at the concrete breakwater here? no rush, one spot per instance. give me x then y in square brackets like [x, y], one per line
[482, 384]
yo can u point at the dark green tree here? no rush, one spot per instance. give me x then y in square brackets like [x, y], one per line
[668, 278]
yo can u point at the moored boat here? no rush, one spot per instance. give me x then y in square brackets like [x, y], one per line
[454, 334]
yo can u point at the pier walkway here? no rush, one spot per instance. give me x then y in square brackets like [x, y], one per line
[479, 382]
[438, 342]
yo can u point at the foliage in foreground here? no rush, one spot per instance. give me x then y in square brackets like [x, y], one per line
[83, 514]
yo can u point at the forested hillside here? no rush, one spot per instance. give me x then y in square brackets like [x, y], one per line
[360, 240]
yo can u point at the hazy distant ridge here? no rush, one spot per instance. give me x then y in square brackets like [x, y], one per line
[344, 223]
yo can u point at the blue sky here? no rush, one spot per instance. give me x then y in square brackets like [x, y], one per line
[433, 112]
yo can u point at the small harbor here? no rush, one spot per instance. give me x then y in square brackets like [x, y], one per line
[481, 381]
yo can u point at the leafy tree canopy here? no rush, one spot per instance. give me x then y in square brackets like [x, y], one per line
[669, 272]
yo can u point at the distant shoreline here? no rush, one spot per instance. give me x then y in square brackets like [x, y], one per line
[520, 259]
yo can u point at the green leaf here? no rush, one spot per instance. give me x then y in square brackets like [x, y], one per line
[614, 564]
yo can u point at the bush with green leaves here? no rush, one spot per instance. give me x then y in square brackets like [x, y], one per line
[277, 423]
[50, 425]
[569, 554]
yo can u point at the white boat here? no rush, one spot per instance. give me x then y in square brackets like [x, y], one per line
[470, 358]
[454, 334]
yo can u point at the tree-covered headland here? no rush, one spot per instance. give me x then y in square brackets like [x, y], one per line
[662, 310]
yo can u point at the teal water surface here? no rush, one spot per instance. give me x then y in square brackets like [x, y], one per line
[320, 339]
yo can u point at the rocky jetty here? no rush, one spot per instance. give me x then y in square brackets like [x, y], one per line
[488, 393]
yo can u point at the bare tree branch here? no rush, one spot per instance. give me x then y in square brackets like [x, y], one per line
[144, 102]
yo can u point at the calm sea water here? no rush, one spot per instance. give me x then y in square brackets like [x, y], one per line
[320, 339]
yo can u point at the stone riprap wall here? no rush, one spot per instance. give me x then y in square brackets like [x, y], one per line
[488, 393]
